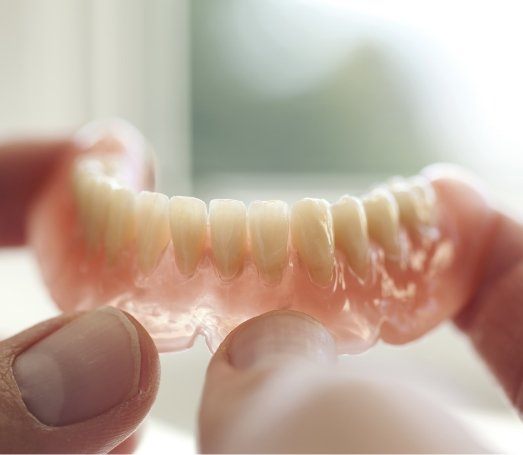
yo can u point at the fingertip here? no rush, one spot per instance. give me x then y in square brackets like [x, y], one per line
[252, 357]
[150, 361]
[82, 382]
[279, 336]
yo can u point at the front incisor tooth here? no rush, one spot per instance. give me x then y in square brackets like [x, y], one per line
[120, 228]
[312, 236]
[382, 214]
[269, 234]
[228, 230]
[350, 233]
[188, 217]
[152, 228]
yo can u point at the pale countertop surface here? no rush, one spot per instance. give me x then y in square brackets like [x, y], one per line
[442, 363]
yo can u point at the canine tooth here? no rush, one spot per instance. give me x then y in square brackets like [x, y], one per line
[383, 220]
[227, 220]
[120, 227]
[312, 236]
[188, 217]
[152, 228]
[350, 232]
[269, 234]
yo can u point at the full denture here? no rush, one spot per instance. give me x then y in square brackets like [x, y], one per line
[386, 263]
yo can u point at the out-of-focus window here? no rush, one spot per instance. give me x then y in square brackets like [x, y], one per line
[66, 62]
[352, 87]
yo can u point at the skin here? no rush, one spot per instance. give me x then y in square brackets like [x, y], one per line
[250, 383]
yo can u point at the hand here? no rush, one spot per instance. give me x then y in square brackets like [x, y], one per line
[79, 382]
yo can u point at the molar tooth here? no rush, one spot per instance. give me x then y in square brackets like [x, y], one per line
[414, 199]
[96, 209]
[87, 175]
[227, 220]
[408, 203]
[188, 217]
[269, 234]
[120, 227]
[82, 182]
[152, 228]
[89, 165]
[383, 220]
[312, 236]
[350, 233]
[426, 197]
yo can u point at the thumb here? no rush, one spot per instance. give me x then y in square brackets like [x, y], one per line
[272, 388]
[258, 378]
[76, 383]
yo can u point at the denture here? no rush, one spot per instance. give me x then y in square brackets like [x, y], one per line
[390, 264]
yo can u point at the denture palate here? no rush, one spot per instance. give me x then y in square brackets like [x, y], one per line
[387, 263]
[114, 215]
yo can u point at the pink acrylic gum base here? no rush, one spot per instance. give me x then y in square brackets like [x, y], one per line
[397, 303]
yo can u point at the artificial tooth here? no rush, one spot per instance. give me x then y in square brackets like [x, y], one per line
[120, 227]
[82, 183]
[312, 236]
[414, 201]
[383, 220]
[227, 220]
[426, 197]
[88, 172]
[112, 165]
[91, 166]
[96, 209]
[408, 203]
[350, 232]
[188, 219]
[269, 235]
[152, 228]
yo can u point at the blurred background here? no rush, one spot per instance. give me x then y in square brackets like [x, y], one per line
[279, 99]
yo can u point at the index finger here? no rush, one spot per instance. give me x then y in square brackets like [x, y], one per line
[24, 168]
[493, 319]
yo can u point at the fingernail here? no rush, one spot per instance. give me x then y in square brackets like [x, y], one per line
[280, 336]
[82, 370]
[519, 401]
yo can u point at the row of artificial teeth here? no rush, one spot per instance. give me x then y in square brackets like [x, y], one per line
[113, 216]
